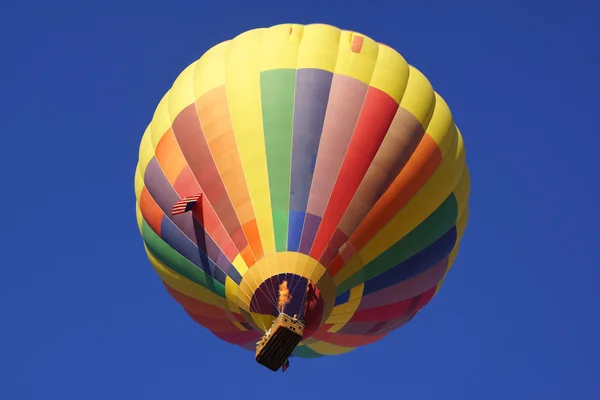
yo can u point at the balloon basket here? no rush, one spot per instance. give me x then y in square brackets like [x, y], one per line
[279, 342]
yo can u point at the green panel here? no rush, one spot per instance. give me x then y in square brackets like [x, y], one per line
[305, 352]
[426, 233]
[176, 262]
[277, 96]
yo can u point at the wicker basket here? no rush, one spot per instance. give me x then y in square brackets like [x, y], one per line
[279, 342]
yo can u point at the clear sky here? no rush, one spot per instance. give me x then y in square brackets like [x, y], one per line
[84, 316]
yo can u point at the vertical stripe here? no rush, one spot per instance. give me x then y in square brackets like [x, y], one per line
[151, 212]
[213, 112]
[186, 234]
[169, 157]
[345, 102]
[399, 144]
[195, 149]
[312, 95]
[377, 114]
[244, 98]
[277, 96]
[419, 168]
[159, 187]
[205, 214]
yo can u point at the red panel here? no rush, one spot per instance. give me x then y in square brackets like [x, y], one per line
[193, 144]
[340, 339]
[383, 313]
[239, 337]
[215, 325]
[373, 123]
[394, 310]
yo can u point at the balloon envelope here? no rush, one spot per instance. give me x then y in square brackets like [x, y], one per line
[326, 168]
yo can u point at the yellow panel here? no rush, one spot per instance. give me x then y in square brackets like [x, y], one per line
[262, 321]
[210, 70]
[293, 263]
[238, 325]
[461, 223]
[240, 265]
[146, 151]
[161, 120]
[181, 96]
[138, 182]
[453, 254]
[254, 276]
[308, 341]
[344, 312]
[441, 128]
[356, 292]
[462, 190]
[282, 264]
[314, 271]
[319, 47]
[231, 293]
[278, 49]
[329, 349]
[391, 73]
[244, 98]
[139, 217]
[359, 66]
[270, 265]
[335, 328]
[419, 98]
[451, 259]
[243, 300]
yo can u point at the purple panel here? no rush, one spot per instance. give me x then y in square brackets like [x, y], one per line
[159, 187]
[165, 196]
[249, 346]
[389, 326]
[343, 109]
[406, 289]
[311, 225]
[357, 328]
[312, 95]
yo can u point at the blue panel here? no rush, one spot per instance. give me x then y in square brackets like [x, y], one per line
[234, 275]
[180, 243]
[415, 265]
[295, 230]
[342, 298]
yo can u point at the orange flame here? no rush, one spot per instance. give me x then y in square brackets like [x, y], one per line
[284, 296]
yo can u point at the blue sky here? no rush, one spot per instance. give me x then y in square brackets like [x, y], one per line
[84, 316]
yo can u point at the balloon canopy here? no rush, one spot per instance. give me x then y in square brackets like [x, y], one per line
[303, 169]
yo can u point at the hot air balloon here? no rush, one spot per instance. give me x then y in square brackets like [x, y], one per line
[304, 185]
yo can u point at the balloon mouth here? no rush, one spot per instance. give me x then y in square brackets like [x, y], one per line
[293, 295]
[270, 289]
